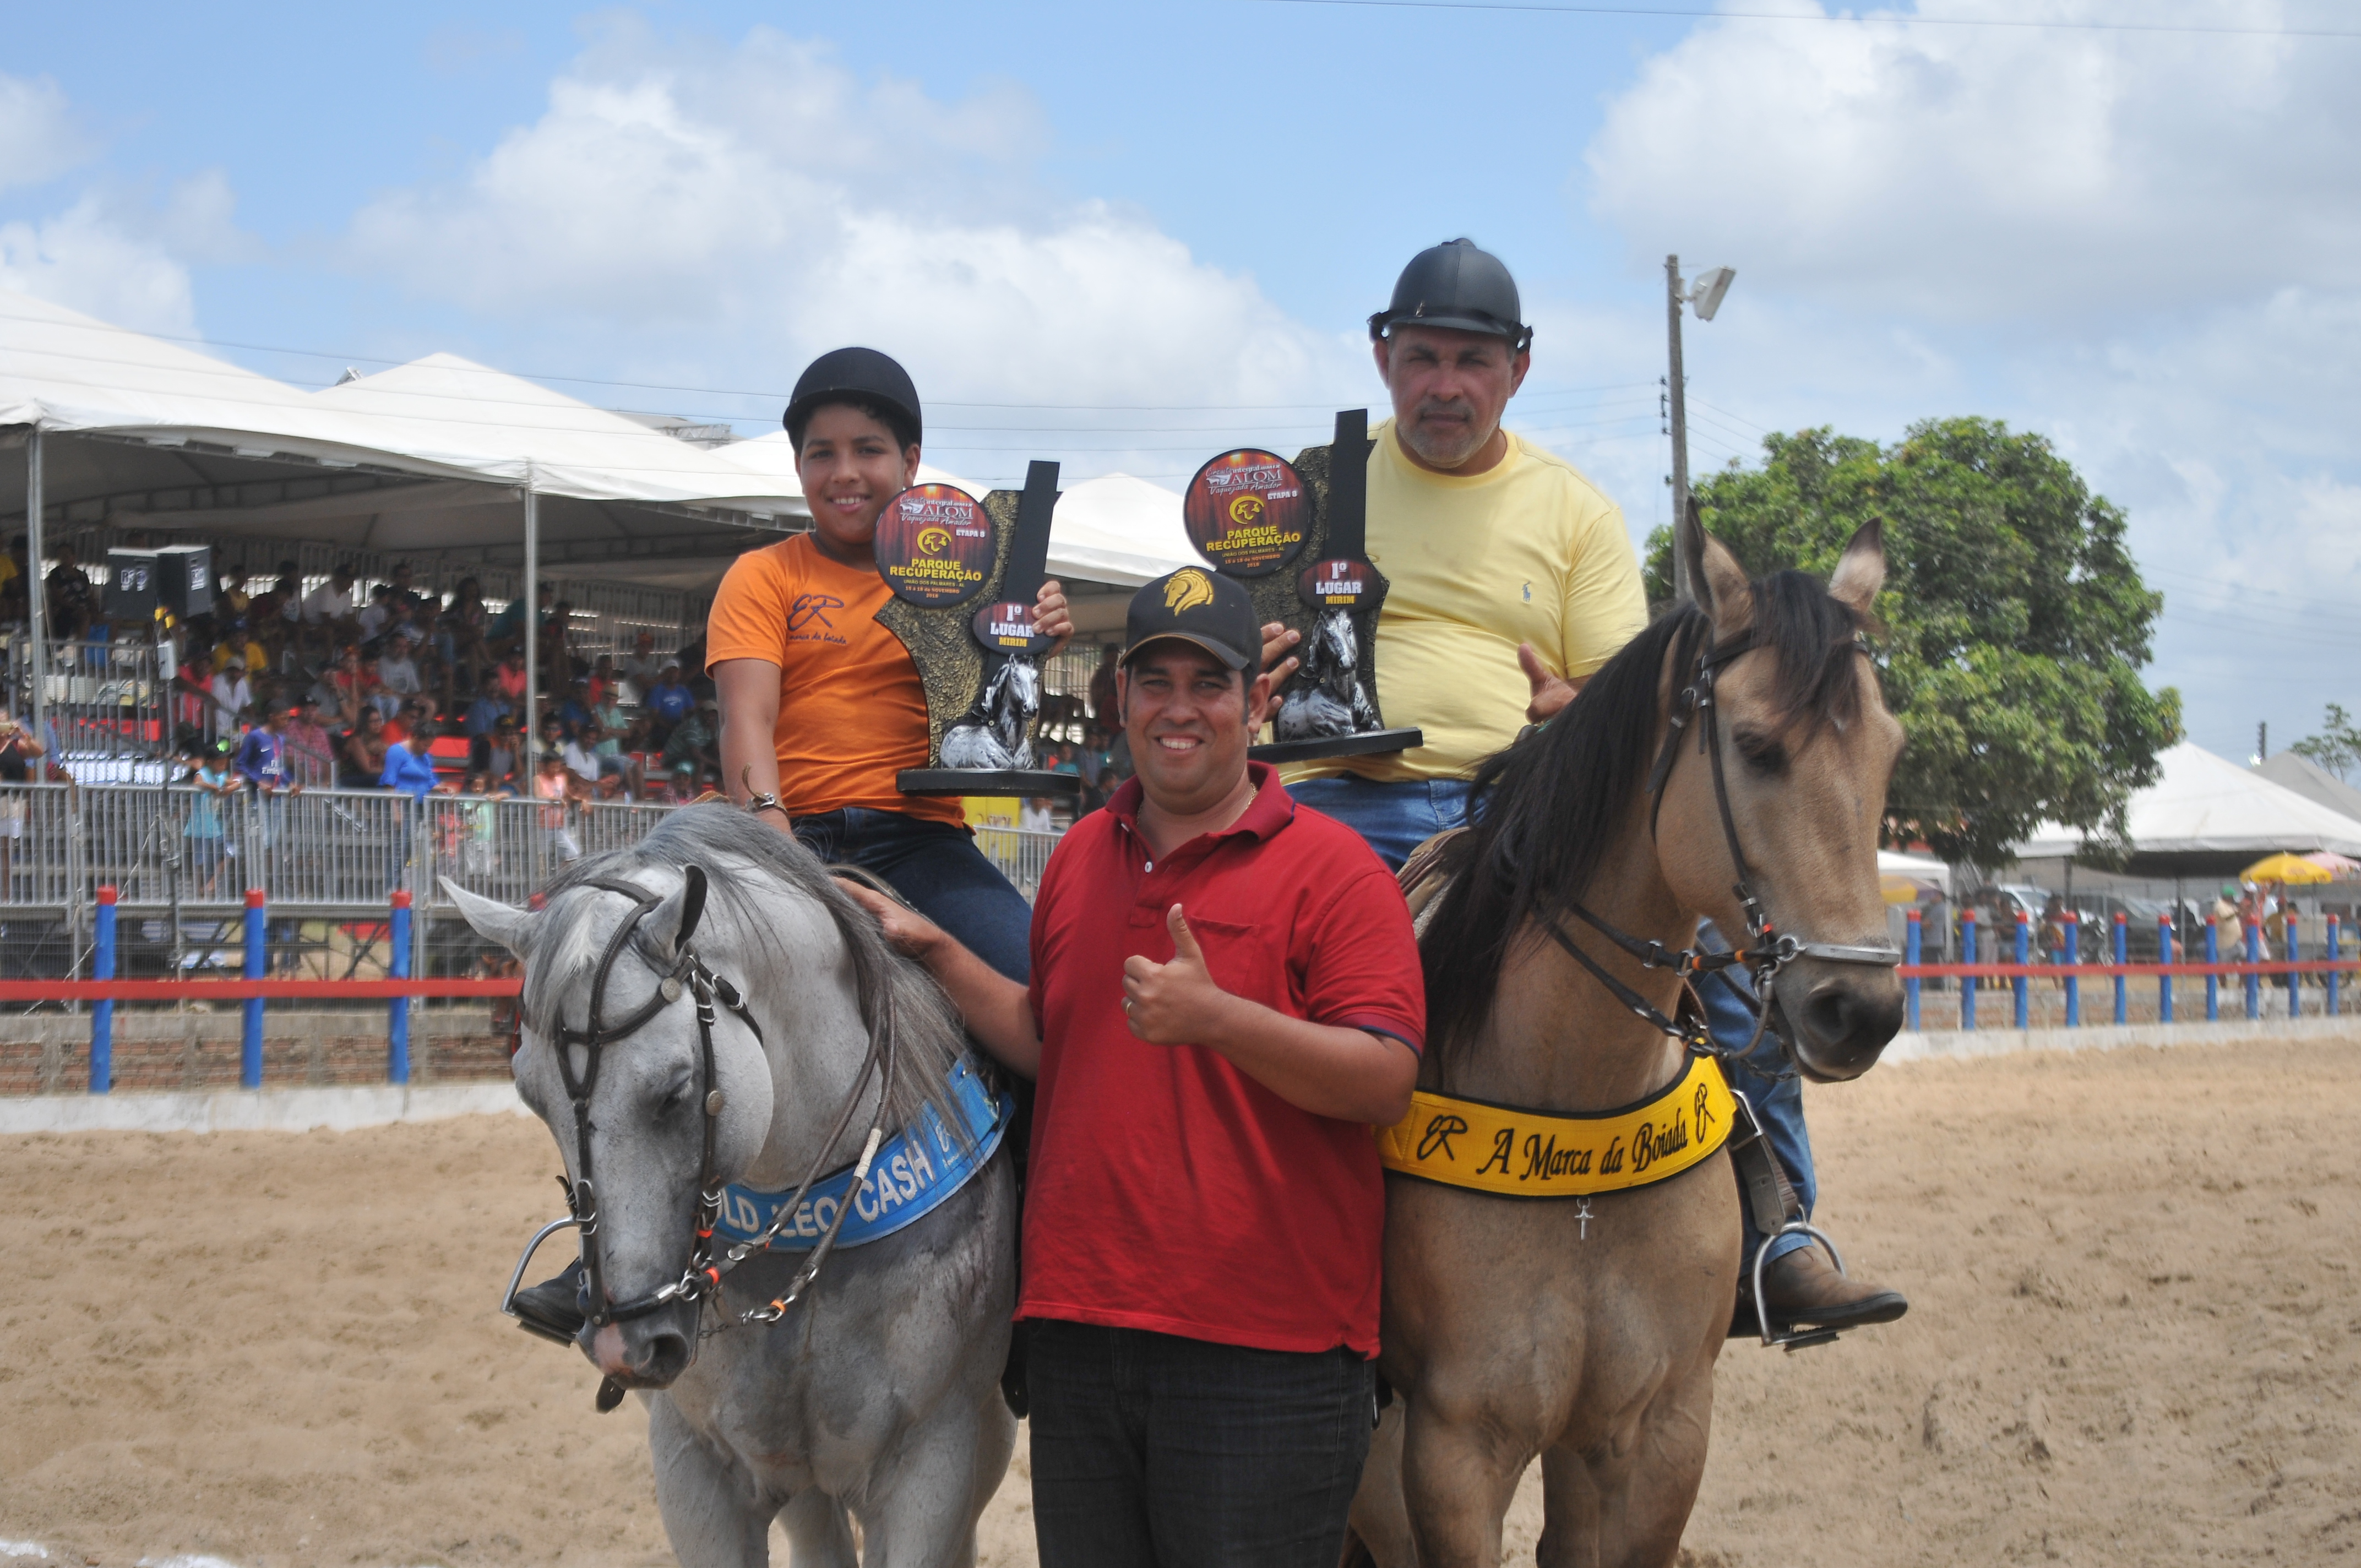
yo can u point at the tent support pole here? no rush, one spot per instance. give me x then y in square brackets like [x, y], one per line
[35, 593]
[531, 628]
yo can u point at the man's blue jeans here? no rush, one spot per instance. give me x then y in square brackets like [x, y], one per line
[1151, 1451]
[1778, 1102]
[1395, 818]
[938, 869]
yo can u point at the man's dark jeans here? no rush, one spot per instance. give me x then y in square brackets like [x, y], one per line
[938, 869]
[1150, 1451]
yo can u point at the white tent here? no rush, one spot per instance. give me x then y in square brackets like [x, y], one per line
[1894, 866]
[2208, 805]
[2311, 781]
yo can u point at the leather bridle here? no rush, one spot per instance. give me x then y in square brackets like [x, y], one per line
[1768, 950]
[687, 974]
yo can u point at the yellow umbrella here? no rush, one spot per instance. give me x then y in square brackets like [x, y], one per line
[2287, 868]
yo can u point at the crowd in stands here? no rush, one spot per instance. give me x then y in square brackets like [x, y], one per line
[408, 690]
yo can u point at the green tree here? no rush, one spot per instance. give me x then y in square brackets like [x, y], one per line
[2337, 746]
[2015, 622]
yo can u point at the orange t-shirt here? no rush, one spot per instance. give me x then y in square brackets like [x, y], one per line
[851, 712]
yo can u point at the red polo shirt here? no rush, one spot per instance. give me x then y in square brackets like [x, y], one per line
[1169, 1190]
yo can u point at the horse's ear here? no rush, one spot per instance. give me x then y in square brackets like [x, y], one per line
[670, 925]
[1860, 572]
[1715, 577]
[492, 920]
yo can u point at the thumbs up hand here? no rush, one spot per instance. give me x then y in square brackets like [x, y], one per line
[1176, 1003]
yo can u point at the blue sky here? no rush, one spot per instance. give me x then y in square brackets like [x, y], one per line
[1130, 236]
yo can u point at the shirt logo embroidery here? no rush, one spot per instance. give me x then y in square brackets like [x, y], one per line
[809, 608]
[1529, 593]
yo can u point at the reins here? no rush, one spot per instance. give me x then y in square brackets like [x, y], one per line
[1767, 951]
[701, 1279]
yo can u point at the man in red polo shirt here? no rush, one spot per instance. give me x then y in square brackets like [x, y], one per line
[1225, 997]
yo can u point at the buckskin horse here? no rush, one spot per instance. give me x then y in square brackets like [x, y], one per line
[1583, 1330]
[720, 1139]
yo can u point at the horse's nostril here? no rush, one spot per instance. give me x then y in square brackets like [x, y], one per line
[662, 1358]
[1827, 1014]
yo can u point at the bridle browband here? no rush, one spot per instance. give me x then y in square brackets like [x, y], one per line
[1768, 950]
[687, 974]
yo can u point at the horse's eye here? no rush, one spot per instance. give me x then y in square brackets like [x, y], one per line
[1763, 754]
[674, 1098]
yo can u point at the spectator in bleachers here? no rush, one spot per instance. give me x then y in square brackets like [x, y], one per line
[69, 602]
[232, 694]
[12, 608]
[557, 663]
[459, 636]
[241, 650]
[230, 602]
[396, 676]
[407, 769]
[694, 740]
[508, 680]
[481, 717]
[20, 754]
[360, 760]
[328, 612]
[261, 760]
[500, 757]
[311, 751]
[601, 681]
[376, 616]
[583, 762]
[670, 700]
[553, 785]
[210, 777]
[573, 710]
[641, 666]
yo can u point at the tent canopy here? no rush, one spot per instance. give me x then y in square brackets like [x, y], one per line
[2311, 781]
[2205, 816]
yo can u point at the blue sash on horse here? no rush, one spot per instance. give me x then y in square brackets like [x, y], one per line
[914, 1174]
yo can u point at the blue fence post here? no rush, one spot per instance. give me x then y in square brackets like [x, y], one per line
[1968, 984]
[1910, 956]
[2124, 955]
[2164, 938]
[2213, 980]
[2023, 956]
[396, 1051]
[2333, 954]
[2071, 954]
[2295, 976]
[102, 1012]
[2253, 954]
[258, 965]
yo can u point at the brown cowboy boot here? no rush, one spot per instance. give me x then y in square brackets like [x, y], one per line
[1803, 1287]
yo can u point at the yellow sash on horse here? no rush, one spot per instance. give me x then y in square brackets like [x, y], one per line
[1536, 1154]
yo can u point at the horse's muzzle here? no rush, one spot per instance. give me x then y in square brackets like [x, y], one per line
[1839, 1019]
[650, 1351]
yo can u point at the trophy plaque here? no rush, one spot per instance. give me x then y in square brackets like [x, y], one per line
[1252, 514]
[964, 574]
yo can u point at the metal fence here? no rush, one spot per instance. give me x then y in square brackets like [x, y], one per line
[182, 861]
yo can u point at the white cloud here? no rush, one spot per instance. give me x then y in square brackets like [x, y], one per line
[1990, 173]
[763, 201]
[39, 139]
[84, 259]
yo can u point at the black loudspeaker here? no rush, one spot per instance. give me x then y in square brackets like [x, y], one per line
[131, 586]
[185, 579]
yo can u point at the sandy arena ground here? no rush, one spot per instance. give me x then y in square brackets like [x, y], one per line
[2133, 1340]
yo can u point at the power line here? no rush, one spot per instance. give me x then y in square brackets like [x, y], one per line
[1686, 14]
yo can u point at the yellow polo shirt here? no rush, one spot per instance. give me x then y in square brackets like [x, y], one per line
[1527, 552]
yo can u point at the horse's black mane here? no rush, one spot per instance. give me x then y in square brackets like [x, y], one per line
[1546, 809]
[896, 995]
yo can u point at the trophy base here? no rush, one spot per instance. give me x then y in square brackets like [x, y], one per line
[1337, 746]
[986, 781]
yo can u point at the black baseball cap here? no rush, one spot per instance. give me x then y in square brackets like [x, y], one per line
[860, 373]
[1458, 285]
[1196, 605]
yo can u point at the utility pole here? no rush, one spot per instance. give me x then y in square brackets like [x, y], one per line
[1680, 421]
[1706, 296]
[2263, 741]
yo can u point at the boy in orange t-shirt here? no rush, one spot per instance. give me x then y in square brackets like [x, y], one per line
[822, 706]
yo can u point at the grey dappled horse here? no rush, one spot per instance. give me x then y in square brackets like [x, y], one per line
[877, 1396]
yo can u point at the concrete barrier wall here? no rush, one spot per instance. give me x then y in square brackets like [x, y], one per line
[1953, 1044]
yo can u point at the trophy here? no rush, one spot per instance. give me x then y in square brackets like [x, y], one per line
[941, 549]
[1251, 513]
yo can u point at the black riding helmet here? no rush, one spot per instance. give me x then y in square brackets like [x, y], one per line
[864, 377]
[1458, 286]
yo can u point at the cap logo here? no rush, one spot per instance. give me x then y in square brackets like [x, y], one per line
[1186, 589]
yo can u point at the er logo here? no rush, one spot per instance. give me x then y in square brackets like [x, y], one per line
[1246, 510]
[933, 541]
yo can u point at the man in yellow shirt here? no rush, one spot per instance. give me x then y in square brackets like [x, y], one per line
[1511, 579]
